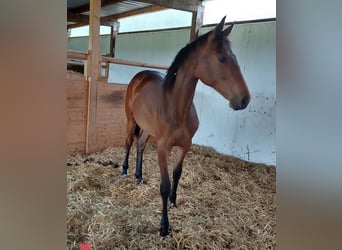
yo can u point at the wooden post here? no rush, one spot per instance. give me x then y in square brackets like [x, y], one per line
[112, 41]
[111, 48]
[93, 72]
[197, 21]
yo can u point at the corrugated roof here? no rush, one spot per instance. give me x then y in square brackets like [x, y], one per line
[122, 7]
[72, 4]
[78, 10]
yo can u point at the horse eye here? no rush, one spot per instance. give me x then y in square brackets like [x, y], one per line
[222, 59]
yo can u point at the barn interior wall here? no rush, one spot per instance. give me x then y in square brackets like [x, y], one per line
[247, 134]
[110, 115]
[77, 94]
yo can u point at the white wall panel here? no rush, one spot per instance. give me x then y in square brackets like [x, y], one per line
[248, 134]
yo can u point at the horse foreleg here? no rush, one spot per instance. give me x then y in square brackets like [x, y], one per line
[143, 138]
[177, 172]
[163, 154]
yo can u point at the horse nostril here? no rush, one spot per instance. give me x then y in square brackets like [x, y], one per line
[244, 102]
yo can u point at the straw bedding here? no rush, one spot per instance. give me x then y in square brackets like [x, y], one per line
[223, 203]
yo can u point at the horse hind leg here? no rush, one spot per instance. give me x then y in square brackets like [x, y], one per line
[141, 144]
[132, 130]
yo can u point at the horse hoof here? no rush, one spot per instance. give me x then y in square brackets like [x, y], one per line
[173, 205]
[140, 181]
[164, 231]
[123, 176]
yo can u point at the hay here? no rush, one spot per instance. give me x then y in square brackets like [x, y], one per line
[223, 203]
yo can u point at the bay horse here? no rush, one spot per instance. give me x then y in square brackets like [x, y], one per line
[163, 107]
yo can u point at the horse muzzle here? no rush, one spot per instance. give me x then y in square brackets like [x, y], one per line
[238, 104]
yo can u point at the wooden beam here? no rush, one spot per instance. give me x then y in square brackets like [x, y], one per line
[74, 15]
[75, 25]
[93, 67]
[112, 42]
[83, 56]
[149, 9]
[85, 7]
[133, 63]
[82, 19]
[196, 22]
[78, 18]
[77, 55]
[189, 5]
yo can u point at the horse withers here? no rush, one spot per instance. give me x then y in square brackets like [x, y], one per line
[163, 107]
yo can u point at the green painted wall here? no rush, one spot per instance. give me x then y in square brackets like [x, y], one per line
[81, 44]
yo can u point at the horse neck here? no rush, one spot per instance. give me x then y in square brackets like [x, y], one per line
[184, 89]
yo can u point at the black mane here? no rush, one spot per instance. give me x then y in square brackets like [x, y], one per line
[182, 56]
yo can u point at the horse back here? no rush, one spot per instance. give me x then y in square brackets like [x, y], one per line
[138, 82]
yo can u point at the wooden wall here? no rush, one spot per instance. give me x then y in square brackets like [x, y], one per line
[110, 114]
[76, 112]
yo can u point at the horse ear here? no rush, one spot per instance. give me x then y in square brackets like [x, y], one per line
[227, 31]
[219, 27]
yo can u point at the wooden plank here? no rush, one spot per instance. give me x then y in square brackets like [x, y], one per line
[76, 132]
[104, 140]
[149, 9]
[73, 148]
[84, 56]
[78, 18]
[75, 25]
[77, 55]
[77, 104]
[196, 22]
[77, 92]
[111, 117]
[93, 71]
[83, 19]
[85, 7]
[133, 63]
[77, 115]
[189, 5]
[71, 75]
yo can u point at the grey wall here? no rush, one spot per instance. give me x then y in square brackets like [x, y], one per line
[248, 134]
[81, 43]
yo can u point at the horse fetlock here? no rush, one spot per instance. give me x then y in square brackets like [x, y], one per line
[172, 199]
[164, 227]
[124, 169]
[140, 181]
[173, 204]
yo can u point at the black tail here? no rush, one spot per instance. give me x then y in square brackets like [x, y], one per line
[136, 130]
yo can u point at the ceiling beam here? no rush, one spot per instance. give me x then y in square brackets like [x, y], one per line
[85, 7]
[82, 20]
[189, 5]
[75, 25]
[74, 15]
[77, 18]
[149, 9]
